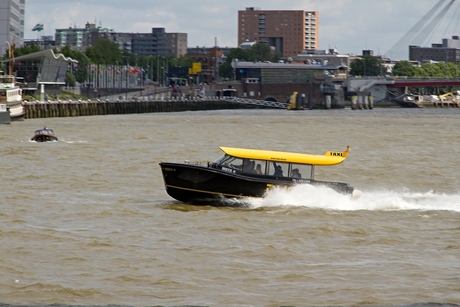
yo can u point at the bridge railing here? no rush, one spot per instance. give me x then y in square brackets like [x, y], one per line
[271, 104]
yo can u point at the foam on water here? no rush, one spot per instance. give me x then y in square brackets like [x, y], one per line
[326, 198]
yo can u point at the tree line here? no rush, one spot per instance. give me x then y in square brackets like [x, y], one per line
[374, 66]
[106, 52]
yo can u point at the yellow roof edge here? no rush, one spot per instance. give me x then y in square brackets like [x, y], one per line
[329, 158]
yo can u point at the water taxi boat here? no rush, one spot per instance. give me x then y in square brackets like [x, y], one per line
[246, 173]
[44, 135]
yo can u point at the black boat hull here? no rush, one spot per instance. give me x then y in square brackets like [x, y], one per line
[191, 183]
[44, 138]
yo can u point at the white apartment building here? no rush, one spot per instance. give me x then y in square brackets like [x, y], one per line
[11, 23]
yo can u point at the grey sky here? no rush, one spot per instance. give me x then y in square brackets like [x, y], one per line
[348, 25]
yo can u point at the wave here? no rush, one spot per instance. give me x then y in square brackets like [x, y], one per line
[328, 199]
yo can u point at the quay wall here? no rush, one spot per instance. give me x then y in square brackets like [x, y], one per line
[108, 107]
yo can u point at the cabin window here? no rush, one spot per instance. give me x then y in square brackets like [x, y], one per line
[248, 166]
[237, 164]
[259, 168]
[278, 169]
[300, 171]
[251, 166]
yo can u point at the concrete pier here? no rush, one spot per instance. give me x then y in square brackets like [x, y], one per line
[107, 107]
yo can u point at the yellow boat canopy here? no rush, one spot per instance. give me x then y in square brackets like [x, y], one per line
[329, 158]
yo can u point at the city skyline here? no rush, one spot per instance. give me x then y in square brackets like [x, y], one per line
[350, 26]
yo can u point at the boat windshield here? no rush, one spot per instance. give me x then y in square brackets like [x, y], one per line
[223, 159]
[44, 131]
[229, 161]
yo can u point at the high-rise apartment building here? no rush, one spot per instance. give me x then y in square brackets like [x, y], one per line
[81, 38]
[289, 32]
[158, 42]
[11, 23]
[177, 44]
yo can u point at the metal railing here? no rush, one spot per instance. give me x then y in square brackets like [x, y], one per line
[271, 104]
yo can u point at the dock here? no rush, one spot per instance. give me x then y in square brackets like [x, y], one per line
[71, 108]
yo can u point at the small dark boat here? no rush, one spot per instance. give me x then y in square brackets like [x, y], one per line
[44, 135]
[5, 117]
[246, 173]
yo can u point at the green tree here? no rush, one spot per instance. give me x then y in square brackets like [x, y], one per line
[226, 70]
[142, 61]
[107, 52]
[185, 61]
[366, 66]
[81, 70]
[404, 68]
[432, 70]
[261, 52]
[67, 51]
[236, 53]
[258, 52]
[32, 48]
[70, 78]
[126, 58]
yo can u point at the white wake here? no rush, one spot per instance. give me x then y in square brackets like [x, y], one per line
[326, 198]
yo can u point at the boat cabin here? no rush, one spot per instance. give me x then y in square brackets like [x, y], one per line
[247, 173]
[275, 163]
[250, 166]
[45, 131]
[44, 135]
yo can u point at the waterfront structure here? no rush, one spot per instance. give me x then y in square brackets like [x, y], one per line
[320, 85]
[323, 57]
[11, 23]
[447, 51]
[41, 70]
[288, 31]
[210, 59]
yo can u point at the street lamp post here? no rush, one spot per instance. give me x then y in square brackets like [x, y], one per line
[127, 67]
[117, 81]
[158, 71]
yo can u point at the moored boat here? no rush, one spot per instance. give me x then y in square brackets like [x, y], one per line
[44, 135]
[4, 114]
[243, 173]
[11, 95]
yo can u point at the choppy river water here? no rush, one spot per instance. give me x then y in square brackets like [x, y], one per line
[86, 220]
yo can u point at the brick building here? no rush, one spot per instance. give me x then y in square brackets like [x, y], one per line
[210, 59]
[289, 32]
